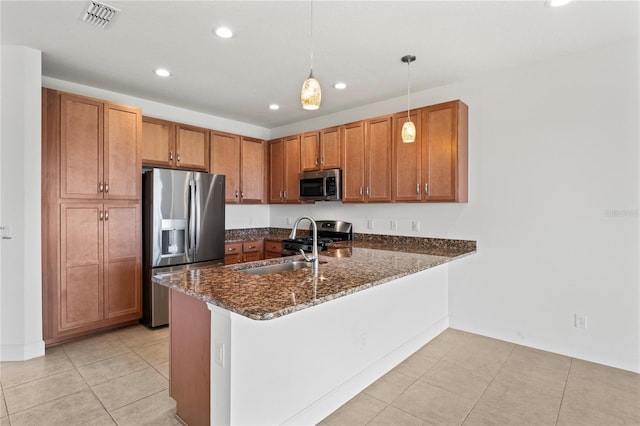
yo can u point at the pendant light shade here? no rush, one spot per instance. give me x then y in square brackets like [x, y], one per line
[408, 132]
[408, 128]
[311, 94]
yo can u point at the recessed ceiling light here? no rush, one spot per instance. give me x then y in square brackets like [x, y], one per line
[161, 72]
[340, 85]
[556, 3]
[274, 107]
[224, 32]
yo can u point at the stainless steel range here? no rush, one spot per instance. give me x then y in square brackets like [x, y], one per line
[329, 231]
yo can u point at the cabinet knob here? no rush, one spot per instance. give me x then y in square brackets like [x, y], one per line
[178, 157]
[170, 155]
[100, 187]
[101, 215]
[106, 187]
[106, 215]
[236, 194]
[241, 194]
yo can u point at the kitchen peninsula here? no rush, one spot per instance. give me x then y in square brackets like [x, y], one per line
[291, 347]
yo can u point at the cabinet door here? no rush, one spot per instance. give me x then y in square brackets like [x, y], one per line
[80, 293]
[252, 166]
[122, 260]
[276, 171]
[192, 148]
[225, 160]
[309, 151]
[330, 148]
[353, 171]
[445, 152]
[291, 170]
[81, 140]
[407, 176]
[158, 142]
[122, 163]
[378, 150]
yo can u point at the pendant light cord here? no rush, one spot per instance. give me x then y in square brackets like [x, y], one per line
[311, 34]
[408, 88]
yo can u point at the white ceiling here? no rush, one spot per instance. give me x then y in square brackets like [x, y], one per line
[359, 42]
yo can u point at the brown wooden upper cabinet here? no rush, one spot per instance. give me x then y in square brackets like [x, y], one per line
[407, 165]
[367, 157]
[174, 145]
[99, 149]
[444, 134]
[243, 162]
[284, 166]
[320, 150]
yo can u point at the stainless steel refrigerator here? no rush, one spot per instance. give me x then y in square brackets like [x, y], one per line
[183, 228]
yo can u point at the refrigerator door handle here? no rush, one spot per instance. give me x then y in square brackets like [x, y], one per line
[191, 219]
[197, 210]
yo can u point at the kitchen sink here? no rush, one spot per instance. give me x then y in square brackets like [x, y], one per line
[279, 267]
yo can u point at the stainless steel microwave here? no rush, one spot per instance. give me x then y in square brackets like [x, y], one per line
[323, 185]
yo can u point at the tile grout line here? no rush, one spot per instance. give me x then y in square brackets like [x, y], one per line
[564, 389]
[489, 384]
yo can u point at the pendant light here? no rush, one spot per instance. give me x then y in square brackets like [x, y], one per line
[408, 128]
[311, 94]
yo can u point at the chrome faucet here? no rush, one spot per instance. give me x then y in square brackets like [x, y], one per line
[314, 253]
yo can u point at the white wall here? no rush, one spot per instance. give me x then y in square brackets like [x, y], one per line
[553, 204]
[20, 263]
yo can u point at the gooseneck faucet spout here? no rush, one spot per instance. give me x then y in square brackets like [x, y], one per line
[314, 254]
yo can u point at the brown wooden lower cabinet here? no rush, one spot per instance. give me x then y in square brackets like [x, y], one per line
[240, 252]
[99, 283]
[272, 249]
[189, 358]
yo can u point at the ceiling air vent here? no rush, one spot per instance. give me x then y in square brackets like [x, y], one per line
[99, 14]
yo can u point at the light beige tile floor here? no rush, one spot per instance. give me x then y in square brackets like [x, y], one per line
[121, 378]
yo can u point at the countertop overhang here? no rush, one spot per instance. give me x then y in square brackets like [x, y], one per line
[350, 267]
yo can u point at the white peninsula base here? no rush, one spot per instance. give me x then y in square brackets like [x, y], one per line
[298, 368]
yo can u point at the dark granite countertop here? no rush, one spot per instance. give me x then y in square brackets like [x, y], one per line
[348, 267]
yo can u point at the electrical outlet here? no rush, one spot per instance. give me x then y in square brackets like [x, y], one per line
[393, 225]
[580, 321]
[415, 225]
[370, 224]
[219, 357]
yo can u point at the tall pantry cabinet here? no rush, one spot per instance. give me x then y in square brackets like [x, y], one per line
[91, 203]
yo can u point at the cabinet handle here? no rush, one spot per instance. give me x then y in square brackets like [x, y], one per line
[252, 247]
[322, 161]
[417, 188]
[281, 195]
[100, 187]
[236, 194]
[241, 194]
[426, 188]
[170, 155]
[231, 249]
[178, 157]
[106, 215]
[101, 215]
[285, 195]
[368, 192]
[361, 191]
[106, 187]
[316, 161]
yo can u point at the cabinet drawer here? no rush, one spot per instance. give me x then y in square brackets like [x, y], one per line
[251, 256]
[251, 246]
[232, 248]
[274, 246]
